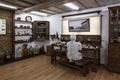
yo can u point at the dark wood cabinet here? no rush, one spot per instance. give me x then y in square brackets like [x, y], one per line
[41, 30]
[114, 39]
[114, 57]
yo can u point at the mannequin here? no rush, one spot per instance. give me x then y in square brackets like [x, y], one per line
[73, 48]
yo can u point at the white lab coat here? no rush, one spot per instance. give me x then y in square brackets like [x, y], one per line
[73, 48]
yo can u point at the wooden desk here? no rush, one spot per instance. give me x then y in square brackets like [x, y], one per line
[96, 54]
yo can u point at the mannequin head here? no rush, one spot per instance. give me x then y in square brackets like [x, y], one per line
[72, 37]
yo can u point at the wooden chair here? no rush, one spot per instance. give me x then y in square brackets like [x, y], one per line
[57, 51]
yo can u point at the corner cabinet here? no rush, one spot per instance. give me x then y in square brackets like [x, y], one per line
[23, 34]
[114, 39]
[41, 30]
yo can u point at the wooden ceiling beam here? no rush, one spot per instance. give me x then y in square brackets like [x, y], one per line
[13, 3]
[61, 9]
[97, 3]
[82, 4]
[46, 5]
[26, 2]
[52, 11]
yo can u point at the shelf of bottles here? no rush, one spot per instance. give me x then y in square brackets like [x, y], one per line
[26, 50]
[114, 25]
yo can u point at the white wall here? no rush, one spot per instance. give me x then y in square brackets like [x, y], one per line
[34, 17]
[55, 23]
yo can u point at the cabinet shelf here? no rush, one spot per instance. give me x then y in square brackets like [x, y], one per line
[41, 32]
[22, 21]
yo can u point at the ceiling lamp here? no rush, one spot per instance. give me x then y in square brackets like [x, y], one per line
[72, 6]
[39, 13]
[7, 6]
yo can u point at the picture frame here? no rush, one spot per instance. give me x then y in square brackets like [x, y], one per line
[79, 25]
[2, 26]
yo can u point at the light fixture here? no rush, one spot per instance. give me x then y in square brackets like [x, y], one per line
[72, 6]
[7, 6]
[39, 13]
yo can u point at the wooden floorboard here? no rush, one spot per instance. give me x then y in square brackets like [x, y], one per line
[40, 68]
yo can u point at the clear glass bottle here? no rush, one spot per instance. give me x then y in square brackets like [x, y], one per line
[18, 52]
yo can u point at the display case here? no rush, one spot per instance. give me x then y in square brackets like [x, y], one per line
[41, 30]
[114, 24]
[114, 39]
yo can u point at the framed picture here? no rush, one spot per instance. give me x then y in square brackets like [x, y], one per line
[79, 25]
[2, 26]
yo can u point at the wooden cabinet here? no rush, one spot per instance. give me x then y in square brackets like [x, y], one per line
[114, 57]
[114, 24]
[114, 39]
[41, 30]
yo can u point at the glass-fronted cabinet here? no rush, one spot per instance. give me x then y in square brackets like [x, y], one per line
[41, 30]
[114, 39]
[114, 23]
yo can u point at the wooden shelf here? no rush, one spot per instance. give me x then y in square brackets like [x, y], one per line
[23, 35]
[17, 42]
[23, 28]
[22, 21]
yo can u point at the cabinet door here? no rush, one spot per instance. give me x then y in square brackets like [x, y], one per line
[114, 58]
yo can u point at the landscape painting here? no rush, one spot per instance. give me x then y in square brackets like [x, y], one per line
[79, 25]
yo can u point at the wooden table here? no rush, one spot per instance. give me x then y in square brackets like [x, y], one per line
[95, 51]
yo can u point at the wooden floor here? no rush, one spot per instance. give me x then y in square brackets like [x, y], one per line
[40, 68]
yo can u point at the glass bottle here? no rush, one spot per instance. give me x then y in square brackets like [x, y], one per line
[25, 50]
[41, 50]
[30, 50]
[18, 53]
[36, 50]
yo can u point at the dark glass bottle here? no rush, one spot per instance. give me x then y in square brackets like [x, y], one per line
[25, 50]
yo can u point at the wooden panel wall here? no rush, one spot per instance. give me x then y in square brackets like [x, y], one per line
[6, 40]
